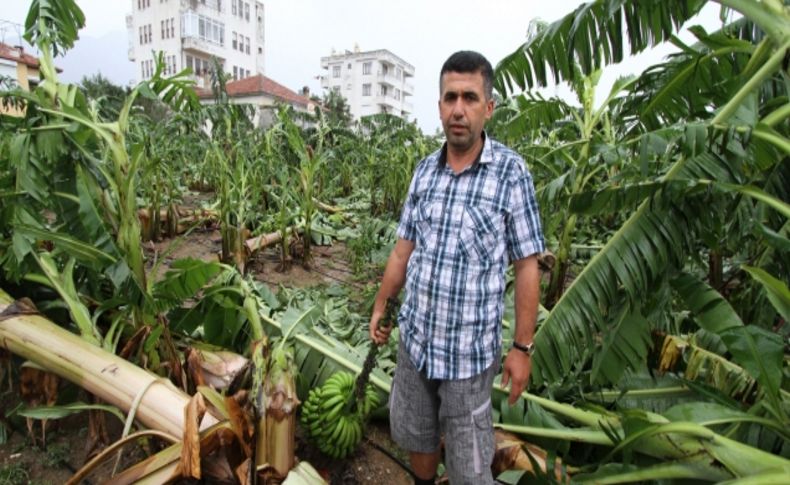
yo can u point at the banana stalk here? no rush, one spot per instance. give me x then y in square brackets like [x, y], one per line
[389, 319]
[109, 377]
[277, 429]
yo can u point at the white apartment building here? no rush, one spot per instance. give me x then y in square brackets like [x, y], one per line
[191, 33]
[372, 82]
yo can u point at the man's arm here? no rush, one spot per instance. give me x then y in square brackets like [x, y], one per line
[391, 283]
[518, 365]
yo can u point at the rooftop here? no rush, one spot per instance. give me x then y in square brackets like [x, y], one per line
[18, 54]
[336, 56]
[257, 85]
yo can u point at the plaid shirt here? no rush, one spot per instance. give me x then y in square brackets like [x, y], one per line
[466, 227]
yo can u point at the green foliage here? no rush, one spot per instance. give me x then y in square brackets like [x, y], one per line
[108, 96]
[592, 36]
[54, 23]
[337, 110]
[13, 474]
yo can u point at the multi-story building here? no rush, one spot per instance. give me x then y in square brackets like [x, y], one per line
[21, 69]
[372, 82]
[191, 33]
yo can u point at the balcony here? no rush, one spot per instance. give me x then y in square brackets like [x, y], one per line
[389, 101]
[200, 46]
[407, 107]
[389, 79]
[408, 88]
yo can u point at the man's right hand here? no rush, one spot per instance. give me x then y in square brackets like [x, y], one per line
[379, 335]
[391, 283]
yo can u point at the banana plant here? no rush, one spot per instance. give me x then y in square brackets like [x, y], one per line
[312, 159]
[656, 234]
[700, 194]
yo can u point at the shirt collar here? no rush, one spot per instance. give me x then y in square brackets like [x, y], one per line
[486, 154]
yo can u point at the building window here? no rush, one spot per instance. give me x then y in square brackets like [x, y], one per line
[235, 73]
[366, 90]
[172, 27]
[399, 73]
[190, 64]
[366, 68]
[384, 90]
[162, 26]
[233, 7]
[397, 94]
[384, 69]
[248, 73]
[335, 71]
[247, 12]
[260, 50]
[235, 41]
[247, 48]
[195, 25]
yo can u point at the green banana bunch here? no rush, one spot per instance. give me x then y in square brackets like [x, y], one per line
[333, 419]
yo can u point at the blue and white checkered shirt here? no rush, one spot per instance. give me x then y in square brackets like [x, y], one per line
[466, 228]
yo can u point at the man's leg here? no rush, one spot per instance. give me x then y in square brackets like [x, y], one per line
[466, 422]
[424, 465]
[414, 417]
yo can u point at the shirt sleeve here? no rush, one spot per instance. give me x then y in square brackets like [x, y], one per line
[406, 228]
[523, 232]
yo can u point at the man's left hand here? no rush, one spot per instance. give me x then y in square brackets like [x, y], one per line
[517, 368]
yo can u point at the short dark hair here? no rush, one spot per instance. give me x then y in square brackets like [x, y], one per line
[470, 62]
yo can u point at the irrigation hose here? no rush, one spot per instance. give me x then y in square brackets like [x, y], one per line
[98, 459]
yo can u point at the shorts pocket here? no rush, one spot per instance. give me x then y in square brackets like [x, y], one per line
[483, 438]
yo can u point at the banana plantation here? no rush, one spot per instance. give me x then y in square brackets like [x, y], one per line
[663, 342]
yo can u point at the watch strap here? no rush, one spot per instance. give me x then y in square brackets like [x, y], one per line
[527, 349]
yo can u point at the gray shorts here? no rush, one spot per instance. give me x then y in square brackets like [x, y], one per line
[422, 409]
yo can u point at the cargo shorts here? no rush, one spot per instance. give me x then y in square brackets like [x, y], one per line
[423, 409]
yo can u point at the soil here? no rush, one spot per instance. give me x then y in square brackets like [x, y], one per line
[377, 461]
[54, 456]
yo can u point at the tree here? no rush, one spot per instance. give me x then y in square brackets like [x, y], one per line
[337, 110]
[109, 96]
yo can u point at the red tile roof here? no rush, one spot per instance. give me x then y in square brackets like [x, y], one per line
[256, 85]
[13, 54]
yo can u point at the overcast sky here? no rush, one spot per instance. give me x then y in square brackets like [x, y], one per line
[299, 32]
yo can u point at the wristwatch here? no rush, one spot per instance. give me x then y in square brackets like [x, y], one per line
[527, 349]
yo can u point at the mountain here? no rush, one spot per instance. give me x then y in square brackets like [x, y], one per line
[106, 54]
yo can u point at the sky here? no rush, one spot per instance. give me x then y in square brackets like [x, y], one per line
[299, 32]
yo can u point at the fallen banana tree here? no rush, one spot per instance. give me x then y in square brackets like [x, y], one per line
[159, 405]
[687, 449]
[105, 375]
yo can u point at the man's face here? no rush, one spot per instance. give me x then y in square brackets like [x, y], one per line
[463, 108]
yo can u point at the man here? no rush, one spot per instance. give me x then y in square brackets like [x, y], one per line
[470, 209]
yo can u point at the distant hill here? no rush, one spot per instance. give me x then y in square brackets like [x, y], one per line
[106, 54]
